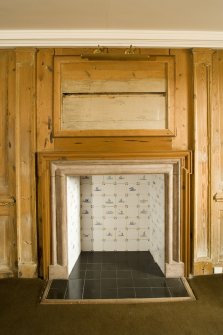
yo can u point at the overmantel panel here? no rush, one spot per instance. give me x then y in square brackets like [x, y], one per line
[181, 116]
[124, 96]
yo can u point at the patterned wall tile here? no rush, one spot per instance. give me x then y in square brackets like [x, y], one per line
[132, 245]
[132, 234]
[121, 234]
[123, 212]
[108, 245]
[121, 245]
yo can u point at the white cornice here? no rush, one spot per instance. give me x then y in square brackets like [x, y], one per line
[114, 38]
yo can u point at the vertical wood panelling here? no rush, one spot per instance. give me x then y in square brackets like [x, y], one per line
[45, 99]
[220, 154]
[217, 160]
[202, 159]
[7, 242]
[26, 107]
[7, 165]
[25, 162]
[216, 228]
[220, 74]
[219, 173]
[11, 123]
[183, 111]
[3, 224]
[3, 121]
[220, 257]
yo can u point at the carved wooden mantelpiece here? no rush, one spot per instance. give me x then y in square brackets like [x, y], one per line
[176, 166]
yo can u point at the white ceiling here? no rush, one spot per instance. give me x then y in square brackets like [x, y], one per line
[143, 23]
[201, 15]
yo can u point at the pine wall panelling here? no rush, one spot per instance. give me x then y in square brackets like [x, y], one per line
[25, 162]
[217, 159]
[183, 99]
[202, 161]
[8, 243]
[44, 102]
[26, 102]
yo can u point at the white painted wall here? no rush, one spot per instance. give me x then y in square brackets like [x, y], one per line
[73, 220]
[112, 14]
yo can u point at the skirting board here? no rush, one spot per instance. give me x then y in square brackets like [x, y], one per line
[27, 270]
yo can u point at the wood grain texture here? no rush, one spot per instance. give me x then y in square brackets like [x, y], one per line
[113, 144]
[44, 102]
[3, 121]
[218, 169]
[220, 251]
[131, 84]
[113, 112]
[219, 126]
[201, 131]
[203, 268]
[25, 162]
[183, 99]
[216, 159]
[202, 161]
[7, 242]
[7, 165]
[115, 98]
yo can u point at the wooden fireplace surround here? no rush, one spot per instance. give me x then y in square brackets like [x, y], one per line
[45, 162]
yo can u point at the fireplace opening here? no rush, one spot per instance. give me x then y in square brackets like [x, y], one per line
[116, 206]
[114, 213]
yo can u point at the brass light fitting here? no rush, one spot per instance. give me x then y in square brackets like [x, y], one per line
[102, 53]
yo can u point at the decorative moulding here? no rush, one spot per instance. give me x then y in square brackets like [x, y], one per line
[114, 38]
[218, 197]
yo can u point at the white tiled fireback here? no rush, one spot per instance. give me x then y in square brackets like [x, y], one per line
[123, 213]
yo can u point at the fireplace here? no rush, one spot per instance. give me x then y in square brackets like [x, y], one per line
[60, 178]
[58, 175]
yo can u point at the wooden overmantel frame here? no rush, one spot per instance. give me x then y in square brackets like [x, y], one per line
[169, 130]
[45, 161]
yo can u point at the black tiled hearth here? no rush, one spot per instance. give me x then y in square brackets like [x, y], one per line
[112, 275]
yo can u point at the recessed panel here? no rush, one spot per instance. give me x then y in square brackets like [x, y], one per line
[95, 97]
[3, 239]
[113, 111]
